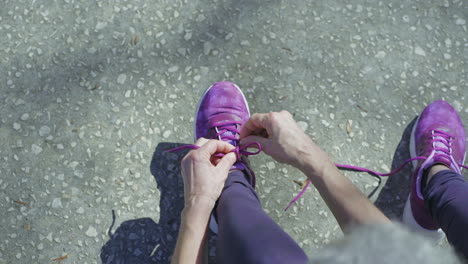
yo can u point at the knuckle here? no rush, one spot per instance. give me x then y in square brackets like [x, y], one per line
[196, 157]
[286, 113]
[191, 156]
[201, 141]
[274, 117]
[212, 142]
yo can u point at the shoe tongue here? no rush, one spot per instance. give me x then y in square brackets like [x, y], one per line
[222, 118]
[229, 134]
[440, 156]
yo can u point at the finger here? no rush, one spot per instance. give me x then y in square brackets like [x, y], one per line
[263, 141]
[215, 146]
[215, 160]
[255, 123]
[201, 141]
[226, 162]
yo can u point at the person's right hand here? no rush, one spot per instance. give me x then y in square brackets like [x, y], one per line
[282, 139]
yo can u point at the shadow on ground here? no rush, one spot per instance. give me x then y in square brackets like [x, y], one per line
[392, 197]
[142, 240]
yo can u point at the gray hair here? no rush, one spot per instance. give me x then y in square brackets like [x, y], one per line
[389, 243]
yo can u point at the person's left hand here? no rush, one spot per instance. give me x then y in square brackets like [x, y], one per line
[204, 175]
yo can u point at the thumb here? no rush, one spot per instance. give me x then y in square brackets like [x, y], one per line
[227, 161]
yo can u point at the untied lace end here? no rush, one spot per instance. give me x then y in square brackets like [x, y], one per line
[360, 169]
[355, 168]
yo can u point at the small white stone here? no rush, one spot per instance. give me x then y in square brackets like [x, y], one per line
[122, 78]
[245, 43]
[140, 85]
[73, 164]
[80, 210]
[289, 70]
[91, 232]
[167, 133]
[24, 116]
[303, 125]
[101, 25]
[457, 105]
[182, 51]
[380, 55]
[16, 126]
[44, 130]
[228, 36]
[419, 51]
[325, 123]
[460, 21]
[259, 79]
[271, 165]
[207, 47]
[36, 149]
[173, 69]
[127, 93]
[385, 168]
[57, 203]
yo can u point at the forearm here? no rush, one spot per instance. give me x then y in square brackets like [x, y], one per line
[349, 205]
[192, 232]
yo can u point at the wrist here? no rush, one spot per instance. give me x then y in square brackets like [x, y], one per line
[315, 164]
[202, 204]
[196, 213]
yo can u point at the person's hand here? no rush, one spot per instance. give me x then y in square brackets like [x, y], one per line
[282, 139]
[204, 175]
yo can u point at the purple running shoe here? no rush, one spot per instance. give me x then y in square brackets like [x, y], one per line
[438, 137]
[220, 114]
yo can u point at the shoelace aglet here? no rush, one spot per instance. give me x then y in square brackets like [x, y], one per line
[294, 200]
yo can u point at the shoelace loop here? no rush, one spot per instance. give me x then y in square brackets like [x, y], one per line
[237, 150]
[226, 131]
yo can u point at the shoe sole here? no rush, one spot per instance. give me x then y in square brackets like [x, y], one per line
[408, 218]
[213, 224]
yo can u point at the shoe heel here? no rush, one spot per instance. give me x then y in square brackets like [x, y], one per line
[408, 220]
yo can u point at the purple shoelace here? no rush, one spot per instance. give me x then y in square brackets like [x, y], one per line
[226, 131]
[237, 150]
[441, 143]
